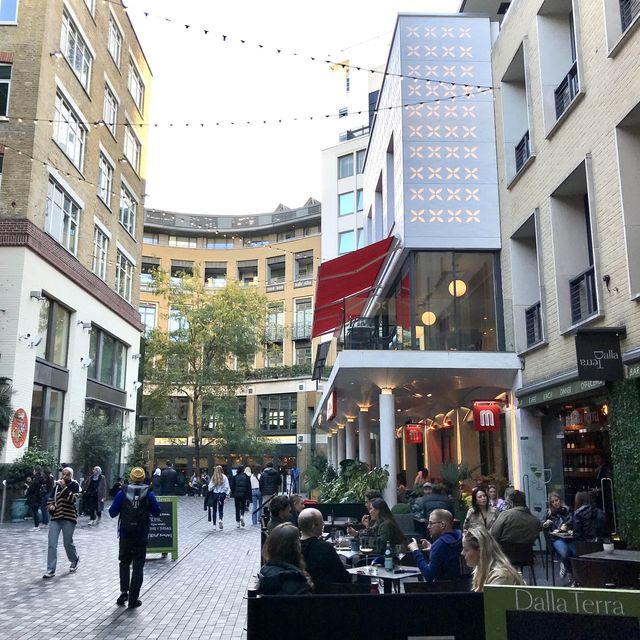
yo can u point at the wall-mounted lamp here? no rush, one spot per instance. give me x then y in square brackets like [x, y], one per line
[56, 54]
[428, 318]
[136, 356]
[86, 362]
[37, 295]
[31, 340]
[123, 160]
[85, 324]
[137, 384]
[457, 288]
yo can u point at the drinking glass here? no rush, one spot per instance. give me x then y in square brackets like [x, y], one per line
[400, 551]
[366, 548]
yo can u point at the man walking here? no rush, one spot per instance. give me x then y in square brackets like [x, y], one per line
[168, 480]
[269, 482]
[64, 517]
[134, 505]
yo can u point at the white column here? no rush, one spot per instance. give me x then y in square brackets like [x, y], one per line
[388, 444]
[341, 445]
[364, 436]
[350, 439]
[334, 451]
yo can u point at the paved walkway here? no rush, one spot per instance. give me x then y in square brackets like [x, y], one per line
[200, 595]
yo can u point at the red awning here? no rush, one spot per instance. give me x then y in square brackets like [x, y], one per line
[344, 285]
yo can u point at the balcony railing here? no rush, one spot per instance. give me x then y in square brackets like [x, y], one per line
[583, 296]
[567, 90]
[274, 333]
[302, 330]
[533, 321]
[629, 9]
[522, 151]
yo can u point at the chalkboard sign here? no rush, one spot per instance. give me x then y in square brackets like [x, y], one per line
[163, 532]
[523, 613]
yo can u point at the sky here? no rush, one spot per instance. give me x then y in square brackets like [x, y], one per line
[207, 78]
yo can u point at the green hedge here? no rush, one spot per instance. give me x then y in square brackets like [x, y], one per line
[624, 429]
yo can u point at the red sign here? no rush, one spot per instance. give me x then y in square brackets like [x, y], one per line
[414, 434]
[332, 405]
[486, 416]
[19, 428]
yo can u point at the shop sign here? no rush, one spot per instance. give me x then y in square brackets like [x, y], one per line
[486, 416]
[598, 355]
[19, 428]
[633, 371]
[332, 405]
[558, 393]
[414, 433]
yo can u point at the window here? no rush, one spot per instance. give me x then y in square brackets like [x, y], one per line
[219, 243]
[309, 231]
[110, 109]
[115, 41]
[275, 270]
[91, 5]
[178, 324]
[132, 147]
[151, 238]
[105, 179]
[128, 207]
[247, 272]
[303, 355]
[273, 355]
[275, 323]
[9, 11]
[147, 268]
[46, 417]
[100, 250]
[5, 86]
[180, 269]
[62, 217]
[1, 163]
[136, 86]
[148, 313]
[360, 238]
[75, 50]
[346, 242]
[124, 276]
[184, 242]
[304, 320]
[109, 358]
[303, 264]
[346, 204]
[53, 326]
[215, 274]
[68, 131]
[359, 200]
[360, 160]
[278, 412]
[345, 166]
[286, 235]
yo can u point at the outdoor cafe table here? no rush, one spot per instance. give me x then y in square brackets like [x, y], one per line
[618, 555]
[390, 578]
[563, 535]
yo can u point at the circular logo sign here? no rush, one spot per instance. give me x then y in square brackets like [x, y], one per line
[19, 428]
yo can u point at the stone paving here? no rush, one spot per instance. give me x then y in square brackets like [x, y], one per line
[200, 595]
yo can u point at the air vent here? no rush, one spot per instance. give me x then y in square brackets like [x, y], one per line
[502, 9]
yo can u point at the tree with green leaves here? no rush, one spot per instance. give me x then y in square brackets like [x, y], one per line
[203, 357]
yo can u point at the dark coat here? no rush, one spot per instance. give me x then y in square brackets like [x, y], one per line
[168, 481]
[323, 563]
[240, 485]
[435, 501]
[559, 517]
[282, 579]
[269, 481]
[589, 523]
[444, 557]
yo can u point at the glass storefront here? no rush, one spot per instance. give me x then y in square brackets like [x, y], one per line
[46, 419]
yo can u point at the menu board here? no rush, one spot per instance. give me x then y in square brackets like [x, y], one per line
[163, 532]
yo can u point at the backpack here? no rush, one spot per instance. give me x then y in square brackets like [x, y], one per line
[134, 514]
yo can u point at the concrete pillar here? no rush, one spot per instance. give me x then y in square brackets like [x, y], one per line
[350, 439]
[333, 451]
[364, 436]
[388, 444]
[341, 445]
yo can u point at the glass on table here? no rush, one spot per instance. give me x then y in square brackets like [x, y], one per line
[366, 548]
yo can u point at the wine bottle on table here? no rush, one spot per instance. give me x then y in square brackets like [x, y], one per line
[388, 558]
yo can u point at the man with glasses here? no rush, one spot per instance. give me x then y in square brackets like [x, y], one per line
[444, 551]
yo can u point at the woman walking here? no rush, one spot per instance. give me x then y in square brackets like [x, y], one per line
[256, 495]
[241, 492]
[481, 513]
[96, 495]
[218, 490]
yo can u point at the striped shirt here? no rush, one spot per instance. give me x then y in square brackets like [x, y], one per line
[63, 500]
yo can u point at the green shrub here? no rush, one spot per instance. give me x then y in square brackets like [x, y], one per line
[401, 507]
[353, 481]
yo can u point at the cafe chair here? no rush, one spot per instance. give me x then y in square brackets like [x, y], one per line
[600, 573]
[550, 556]
[520, 555]
[342, 587]
[463, 583]
[583, 547]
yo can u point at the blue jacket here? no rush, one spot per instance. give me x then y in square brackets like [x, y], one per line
[444, 557]
[116, 506]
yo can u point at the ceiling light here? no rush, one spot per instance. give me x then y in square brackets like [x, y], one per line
[428, 317]
[457, 288]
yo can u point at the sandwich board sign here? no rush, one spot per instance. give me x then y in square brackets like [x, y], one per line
[163, 532]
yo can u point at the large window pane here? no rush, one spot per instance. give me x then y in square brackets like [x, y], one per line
[346, 242]
[61, 337]
[107, 358]
[345, 166]
[120, 358]
[346, 204]
[43, 328]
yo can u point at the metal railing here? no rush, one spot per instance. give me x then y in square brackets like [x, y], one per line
[522, 151]
[302, 330]
[567, 90]
[533, 322]
[274, 333]
[583, 296]
[629, 9]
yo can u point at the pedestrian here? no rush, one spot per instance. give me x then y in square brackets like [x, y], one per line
[135, 505]
[96, 494]
[295, 479]
[256, 496]
[269, 482]
[218, 490]
[117, 485]
[168, 480]
[155, 481]
[64, 517]
[33, 496]
[241, 492]
[46, 487]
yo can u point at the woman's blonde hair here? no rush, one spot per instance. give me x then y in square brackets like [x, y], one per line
[493, 566]
[218, 476]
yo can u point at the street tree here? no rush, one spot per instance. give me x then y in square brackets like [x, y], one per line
[203, 357]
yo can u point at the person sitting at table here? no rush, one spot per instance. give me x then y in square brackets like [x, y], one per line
[517, 523]
[436, 499]
[481, 513]
[589, 522]
[483, 554]
[384, 527]
[297, 505]
[494, 499]
[558, 517]
[279, 508]
[321, 559]
[421, 477]
[284, 572]
[444, 551]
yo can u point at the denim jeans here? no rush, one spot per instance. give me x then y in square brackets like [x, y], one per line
[565, 550]
[256, 505]
[217, 504]
[43, 509]
[55, 527]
